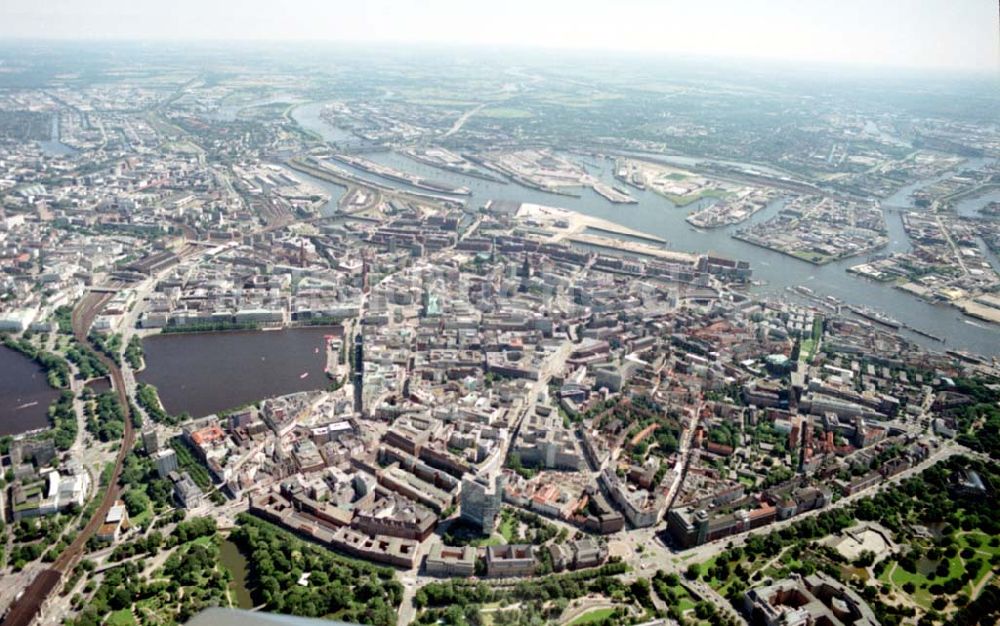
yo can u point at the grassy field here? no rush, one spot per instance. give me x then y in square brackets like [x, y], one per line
[896, 577]
[202, 541]
[141, 518]
[592, 617]
[507, 528]
[806, 349]
[121, 618]
[485, 542]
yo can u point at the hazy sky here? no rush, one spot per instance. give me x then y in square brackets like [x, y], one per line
[912, 33]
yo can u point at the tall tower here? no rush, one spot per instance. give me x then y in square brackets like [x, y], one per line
[359, 372]
[481, 502]
[701, 526]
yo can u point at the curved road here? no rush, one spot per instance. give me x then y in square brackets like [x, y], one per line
[24, 610]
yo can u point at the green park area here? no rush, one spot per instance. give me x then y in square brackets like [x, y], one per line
[959, 569]
[543, 599]
[943, 566]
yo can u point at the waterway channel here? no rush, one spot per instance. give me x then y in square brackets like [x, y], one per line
[54, 146]
[657, 215]
[973, 205]
[233, 560]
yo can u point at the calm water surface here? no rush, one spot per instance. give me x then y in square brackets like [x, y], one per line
[54, 146]
[234, 561]
[25, 394]
[204, 373]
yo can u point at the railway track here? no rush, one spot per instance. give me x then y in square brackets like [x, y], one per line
[27, 607]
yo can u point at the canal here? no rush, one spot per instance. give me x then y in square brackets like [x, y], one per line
[233, 560]
[25, 394]
[657, 215]
[205, 373]
[307, 116]
[54, 146]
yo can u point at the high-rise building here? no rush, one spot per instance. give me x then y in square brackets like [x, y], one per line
[481, 503]
[165, 461]
[150, 441]
[359, 372]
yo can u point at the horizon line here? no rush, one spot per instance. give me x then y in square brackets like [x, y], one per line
[663, 55]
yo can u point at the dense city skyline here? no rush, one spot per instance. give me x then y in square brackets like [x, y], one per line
[464, 332]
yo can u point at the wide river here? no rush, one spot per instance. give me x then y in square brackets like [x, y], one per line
[657, 215]
[25, 393]
[204, 373]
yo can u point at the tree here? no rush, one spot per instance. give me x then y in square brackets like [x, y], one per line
[704, 609]
[135, 501]
[640, 591]
[865, 559]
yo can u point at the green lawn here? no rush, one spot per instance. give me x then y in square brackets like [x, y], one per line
[746, 481]
[900, 577]
[492, 540]
[984, 547]
[507, 528]
[141, 518]
[921, 594]
[884, 576]
[806, 349]
[202, 541]
[955, 567]
[121, 618]
[484, 542]
[592, 617]
[983, 573]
